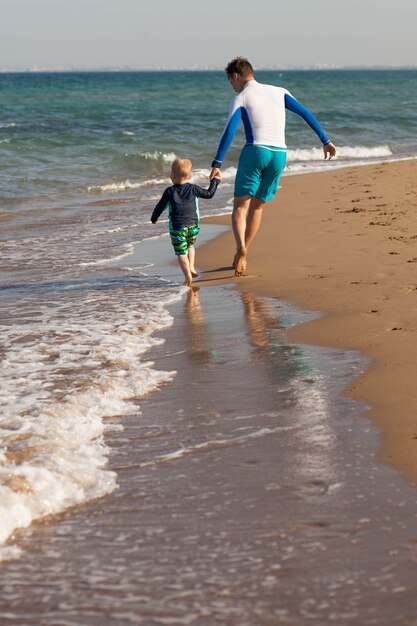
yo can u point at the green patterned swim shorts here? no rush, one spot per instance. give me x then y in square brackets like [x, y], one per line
[184, 238]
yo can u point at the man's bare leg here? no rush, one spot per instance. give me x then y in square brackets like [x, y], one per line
[191, 261]
[253, 220]
[240, 211]
[185, 266]
[246, 219]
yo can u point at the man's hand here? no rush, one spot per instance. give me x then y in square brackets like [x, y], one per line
[329, 150]
[215, 173]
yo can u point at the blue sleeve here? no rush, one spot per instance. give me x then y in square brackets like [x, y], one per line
[293, 105]
[227, 137]
[161, 206]
[207, 193]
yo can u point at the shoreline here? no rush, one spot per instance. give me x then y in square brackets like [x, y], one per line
[344, 244]
[233, 479]
[229, 493]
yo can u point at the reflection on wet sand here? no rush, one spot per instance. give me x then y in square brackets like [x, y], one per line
[295, 368]
[266, 334]
[282, 373]
[199, 336]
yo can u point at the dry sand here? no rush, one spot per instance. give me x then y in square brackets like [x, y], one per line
[345, 243]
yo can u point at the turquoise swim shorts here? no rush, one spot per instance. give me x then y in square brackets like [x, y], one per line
[259, 171]
[184, 238]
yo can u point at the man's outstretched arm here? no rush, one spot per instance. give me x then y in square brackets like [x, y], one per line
[295, 107]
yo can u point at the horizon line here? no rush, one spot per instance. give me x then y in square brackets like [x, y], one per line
[313, 67]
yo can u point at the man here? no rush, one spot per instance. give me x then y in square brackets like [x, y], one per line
[262, 109]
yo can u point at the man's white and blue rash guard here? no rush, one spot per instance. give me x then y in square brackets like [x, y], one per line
[262, 109]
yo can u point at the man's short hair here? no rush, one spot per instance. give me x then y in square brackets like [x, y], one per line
[182, 168]
[240, 66]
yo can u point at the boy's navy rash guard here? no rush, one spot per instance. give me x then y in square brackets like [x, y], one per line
[182, 201]
[262, 109]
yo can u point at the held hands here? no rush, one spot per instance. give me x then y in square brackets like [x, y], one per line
[329, 150]
[215, 173]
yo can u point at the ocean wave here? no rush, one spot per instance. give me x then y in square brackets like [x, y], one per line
[200, 177]
[128, 247]
[150, 160]
[127, 185]
[158, 157]
[343, 152]
[80, 369]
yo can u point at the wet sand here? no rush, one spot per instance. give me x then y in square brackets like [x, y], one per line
[345, 243]
[249, 493]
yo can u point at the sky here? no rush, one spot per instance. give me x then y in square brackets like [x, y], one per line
[177, 34]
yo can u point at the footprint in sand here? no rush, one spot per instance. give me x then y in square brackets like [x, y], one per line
[355, 209]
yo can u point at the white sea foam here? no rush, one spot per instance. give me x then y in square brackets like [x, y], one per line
[200, 176]
[63, 376]
[343, 152]
[158, 156]
[126, 185]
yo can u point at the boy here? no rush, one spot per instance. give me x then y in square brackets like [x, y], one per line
[184, 216]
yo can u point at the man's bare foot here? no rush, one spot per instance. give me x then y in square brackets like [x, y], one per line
[194, 274]
[188, 282]
[240, 263]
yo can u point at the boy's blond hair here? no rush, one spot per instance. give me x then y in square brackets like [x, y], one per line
[182, 168]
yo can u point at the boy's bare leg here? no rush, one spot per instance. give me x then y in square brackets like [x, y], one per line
[253, 220]
[185, 266]
[191, 261]
[240, 211]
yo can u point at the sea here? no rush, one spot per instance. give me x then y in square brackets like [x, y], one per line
[84, 157]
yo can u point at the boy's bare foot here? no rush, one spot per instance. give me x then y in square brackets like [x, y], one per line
[194, 274]
[188, 281]
[239, 262]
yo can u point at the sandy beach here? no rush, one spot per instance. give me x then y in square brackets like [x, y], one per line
[345, 244]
